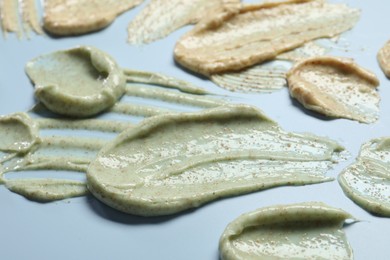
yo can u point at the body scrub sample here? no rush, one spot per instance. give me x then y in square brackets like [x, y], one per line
[335, 87]
[162, 17]
[68, 17]
[384, 58]
[367, 181]
[80, 82]
[20, 17]
[171, 163]
[237, 38]
[311, 230]
[77, 82]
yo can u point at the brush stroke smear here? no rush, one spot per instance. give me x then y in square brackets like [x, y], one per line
[170, 163]
[237, 38]
[310, 230]
[161, 17]
[72, 17]
[384, 58]
[367, 180]
[336, 87]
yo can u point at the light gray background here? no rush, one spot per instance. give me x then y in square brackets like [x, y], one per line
[84, 228]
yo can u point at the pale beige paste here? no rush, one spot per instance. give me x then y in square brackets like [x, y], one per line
[335, 87]
[161, 17]
[70, 17]
[384, 58]
[236, 38]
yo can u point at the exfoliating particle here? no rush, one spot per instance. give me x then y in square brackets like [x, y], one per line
[367, 180]
[78, 82]
[162, 17]
[310, 230]
[70, 17]
[170, 163]
[335, 87]
[239, 37]
[384, 58]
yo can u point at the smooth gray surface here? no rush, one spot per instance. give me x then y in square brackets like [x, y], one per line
[84, 228]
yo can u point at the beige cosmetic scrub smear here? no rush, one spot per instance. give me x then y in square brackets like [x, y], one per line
[335, 87]
[161, 17]
[171, 163]
[237, 38]
[384, 58]
[20, 17]
[266, 77]
[69, 17]
[367, 180]
[310, 230]
[9, 16]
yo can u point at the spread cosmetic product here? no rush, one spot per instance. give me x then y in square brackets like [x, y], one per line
[20, 17]
[384, 58]
[174, 162]
[237, 38]
[367, 180]
[69, 17]
[161, 17]
[335, 87]
[78, 82]
[310, 230]
[86, 78]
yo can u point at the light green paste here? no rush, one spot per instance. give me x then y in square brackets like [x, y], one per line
[367, 181]
[174, 162]
[24, 148]
[78, 82]
[309, 230]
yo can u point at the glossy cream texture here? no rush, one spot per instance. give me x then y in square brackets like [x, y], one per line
[384, 58]
[170, 163]
[18, 133]
[367, 180]
[335, 87]
[161, 17]
[39, 140]
[310, 230]
[69, 17]
[78, 82]
[215, 45]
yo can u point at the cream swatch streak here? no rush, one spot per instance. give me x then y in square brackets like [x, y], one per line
[19, 17]
[170, 163]
[258, 78]
[23, 147]
[384, 58]
[30, 17]
[69, 17]
[162, 17]
[216, 45]
[10, 16]
[266, 77]
[335, 87]
[367, 181]
[310, 230]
